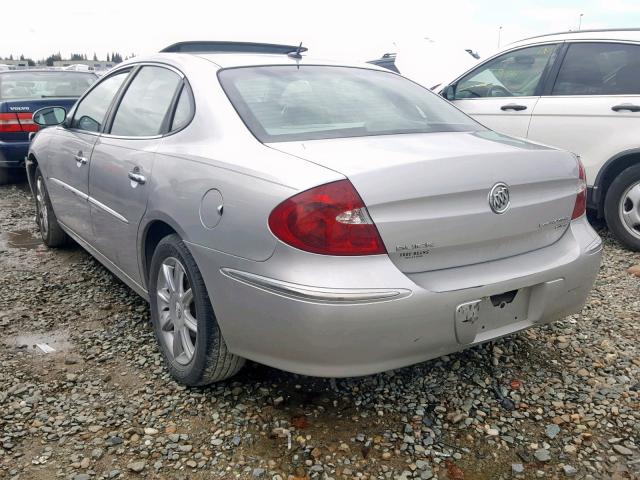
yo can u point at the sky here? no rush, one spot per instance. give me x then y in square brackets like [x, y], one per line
[342, 29]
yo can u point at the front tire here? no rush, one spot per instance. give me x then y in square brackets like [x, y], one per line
[52, 234]
[622, 207]
[183, 319]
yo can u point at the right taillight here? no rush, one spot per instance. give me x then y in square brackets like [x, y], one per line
[580, 207]
[17, 122]
[330, 219]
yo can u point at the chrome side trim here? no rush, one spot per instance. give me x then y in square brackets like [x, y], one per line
[69, 188]
[316, 294]
[104, 208]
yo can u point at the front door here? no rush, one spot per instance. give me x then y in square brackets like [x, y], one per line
[502, 92]
[68, 178]
[122, 165]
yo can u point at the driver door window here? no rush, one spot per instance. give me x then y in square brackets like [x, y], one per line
[92, 110]
[514, 74]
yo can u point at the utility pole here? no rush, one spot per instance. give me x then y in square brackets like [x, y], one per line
[499, 35]
[580, 21]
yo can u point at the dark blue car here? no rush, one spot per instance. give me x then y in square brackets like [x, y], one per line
[22, 92]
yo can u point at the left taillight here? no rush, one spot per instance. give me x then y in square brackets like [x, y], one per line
[17, 122]
[580, 206]
[330, 219]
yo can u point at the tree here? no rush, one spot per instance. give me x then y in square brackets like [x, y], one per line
[108, 59]
[53, 58]
[95, 57]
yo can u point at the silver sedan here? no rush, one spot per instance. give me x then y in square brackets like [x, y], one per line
[325, 219]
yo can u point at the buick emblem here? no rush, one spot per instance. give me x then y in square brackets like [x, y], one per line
[499, 198]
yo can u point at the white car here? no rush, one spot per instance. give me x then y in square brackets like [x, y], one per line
[579, 91]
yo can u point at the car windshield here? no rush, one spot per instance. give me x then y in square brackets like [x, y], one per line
[32, 85]
[288, 103]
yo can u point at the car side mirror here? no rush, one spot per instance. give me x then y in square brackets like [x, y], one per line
[449, 92]
[49, 116]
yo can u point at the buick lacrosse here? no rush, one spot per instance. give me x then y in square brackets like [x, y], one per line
[326, 219]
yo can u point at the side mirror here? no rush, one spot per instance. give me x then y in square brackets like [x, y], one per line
[449, 92]
[49, 116]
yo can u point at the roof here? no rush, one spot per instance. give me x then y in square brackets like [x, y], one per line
[231, 60]
[624, 34]
[227, 54]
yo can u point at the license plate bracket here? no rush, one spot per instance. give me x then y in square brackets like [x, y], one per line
[485, 317]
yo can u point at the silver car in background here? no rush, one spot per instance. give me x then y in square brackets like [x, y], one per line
[325, 219]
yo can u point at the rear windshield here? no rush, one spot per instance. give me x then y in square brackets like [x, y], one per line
[288, 103]
[32, 85]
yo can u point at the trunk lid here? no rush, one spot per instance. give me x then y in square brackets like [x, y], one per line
[428, 194]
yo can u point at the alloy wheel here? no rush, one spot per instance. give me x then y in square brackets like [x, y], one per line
[176, 311]
[630, 209]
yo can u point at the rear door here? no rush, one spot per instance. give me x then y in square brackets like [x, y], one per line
[593, 106]
[502, 92]
[67, 167]
[122, 162]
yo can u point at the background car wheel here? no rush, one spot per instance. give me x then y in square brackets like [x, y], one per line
[185, 325]
[622, 207]
[50, 230]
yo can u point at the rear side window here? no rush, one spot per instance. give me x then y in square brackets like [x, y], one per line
[307, 102]
[184, 110]
[599, 69]
[144, 107]
[93, 108]
[513, 74]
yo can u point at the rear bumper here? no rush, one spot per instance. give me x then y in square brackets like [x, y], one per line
[12, 154]
[341, 329]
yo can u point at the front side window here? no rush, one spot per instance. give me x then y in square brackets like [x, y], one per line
[514, 74]
[599, 69]
[145, 104]
[32, 85]
[287, 103]
[93, 108]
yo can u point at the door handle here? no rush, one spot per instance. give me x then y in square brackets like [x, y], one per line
[134, 176]
[513, 106]
[626, 106]
[80, 159]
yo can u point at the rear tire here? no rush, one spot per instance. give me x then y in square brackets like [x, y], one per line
[622, 207]
[183, 319]
[52, 234]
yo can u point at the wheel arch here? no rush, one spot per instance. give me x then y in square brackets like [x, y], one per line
[607, 174]
[153, 231]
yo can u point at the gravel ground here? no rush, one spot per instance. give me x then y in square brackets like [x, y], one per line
[556, 401]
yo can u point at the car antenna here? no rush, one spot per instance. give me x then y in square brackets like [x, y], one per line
[296, 54]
